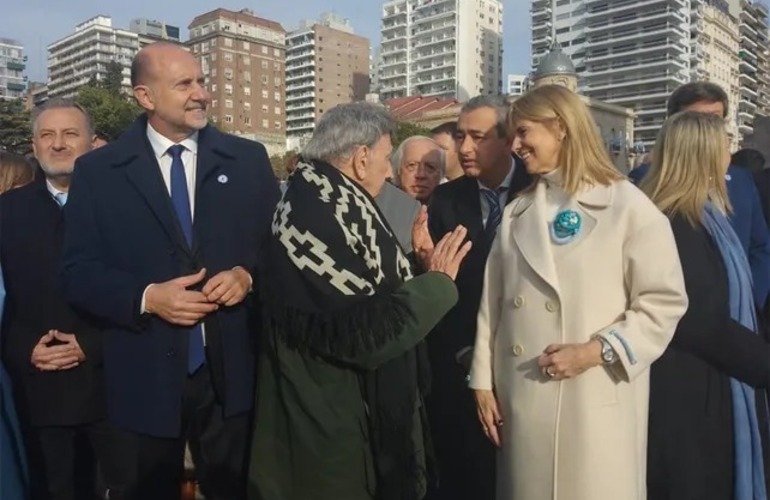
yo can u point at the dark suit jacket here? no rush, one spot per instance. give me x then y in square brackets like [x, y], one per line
[123, 235]
[466, 459]
[400, 210]
[747, 220]
[32, 228]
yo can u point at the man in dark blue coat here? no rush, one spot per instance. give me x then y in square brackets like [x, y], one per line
[747, 218]
[165, 229]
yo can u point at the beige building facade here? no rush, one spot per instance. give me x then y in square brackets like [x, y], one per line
[243, 57]
[326, 64]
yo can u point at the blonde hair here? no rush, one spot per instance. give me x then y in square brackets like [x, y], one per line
[688, 166]
[15, 171]
[583, 157]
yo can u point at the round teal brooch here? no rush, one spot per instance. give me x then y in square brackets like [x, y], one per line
[566, 226]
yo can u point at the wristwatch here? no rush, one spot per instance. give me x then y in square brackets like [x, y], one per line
[609, 355]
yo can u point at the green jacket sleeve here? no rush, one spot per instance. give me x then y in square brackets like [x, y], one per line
[428, 298]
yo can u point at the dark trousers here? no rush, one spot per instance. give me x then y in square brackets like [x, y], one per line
[465, 457]
[63, 460]
[218, 446]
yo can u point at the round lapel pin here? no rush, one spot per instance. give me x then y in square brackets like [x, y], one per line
[222, 179]
[566, 226]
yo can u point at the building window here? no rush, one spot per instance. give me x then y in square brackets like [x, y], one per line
[277, 96]
[246, 46]
[264, 49]
[247, 106]
[229, 103]
[229, 73]
[213, 103]
[213, 87]
[264, 64]
[276, 66]
[213, 72]
[277, 81]
[247, 120]
[265, 109]
[265, 123]
[264, 79]
[278, 125]
[277, 52]
[213, 56]
[277, 111]
[213, 42]
[228, 89]
[265, 94]
[246, 60]
[247, 76]
[214, 119]
[228, 42]
[228, 119]
[228, 57]
[247, 91]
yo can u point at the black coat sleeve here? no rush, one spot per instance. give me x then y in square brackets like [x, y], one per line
[706, 330]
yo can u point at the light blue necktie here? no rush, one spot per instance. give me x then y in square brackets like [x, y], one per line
[61, 199]
[180, 198]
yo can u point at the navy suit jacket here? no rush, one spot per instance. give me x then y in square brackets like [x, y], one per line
[122, 235]
[748, 222]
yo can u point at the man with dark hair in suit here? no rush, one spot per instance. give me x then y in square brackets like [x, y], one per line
[165, 228]
[475, 200]
[53, 353]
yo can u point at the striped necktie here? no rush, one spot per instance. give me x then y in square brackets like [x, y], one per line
[495, 210]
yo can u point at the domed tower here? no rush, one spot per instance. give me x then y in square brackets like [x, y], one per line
[556, 68]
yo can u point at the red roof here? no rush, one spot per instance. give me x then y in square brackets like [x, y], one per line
[411, 107]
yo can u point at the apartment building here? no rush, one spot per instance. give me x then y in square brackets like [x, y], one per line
[714, 56]
[84, 54]
[12, 64]
[441, 48]
[326, 64]
[243, 57]
[631, 53]
[151, 31]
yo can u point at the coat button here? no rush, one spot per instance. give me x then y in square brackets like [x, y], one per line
[518, 350]
[518, 301]
[551, 306]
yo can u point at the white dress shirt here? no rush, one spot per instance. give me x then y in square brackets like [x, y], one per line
[59, 196]
[502, 194]
[160, 145]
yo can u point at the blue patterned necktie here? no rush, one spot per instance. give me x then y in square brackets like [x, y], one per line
[180, 198]
[495, 211]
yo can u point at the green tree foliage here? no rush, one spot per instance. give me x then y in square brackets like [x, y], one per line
[113, 80]
[15, 128]
[112, 112]
[406, 130]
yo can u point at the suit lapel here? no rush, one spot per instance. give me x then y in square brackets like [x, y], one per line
[210, 162]
[468, 206]
[143, 172]
[531, 235]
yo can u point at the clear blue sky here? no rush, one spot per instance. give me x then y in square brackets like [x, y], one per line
[37, 23]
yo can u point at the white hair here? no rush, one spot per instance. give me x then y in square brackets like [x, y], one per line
[398, 155]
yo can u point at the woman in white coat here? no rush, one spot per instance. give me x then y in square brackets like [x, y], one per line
[583, 291]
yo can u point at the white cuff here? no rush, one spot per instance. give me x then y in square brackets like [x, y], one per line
[143, 308]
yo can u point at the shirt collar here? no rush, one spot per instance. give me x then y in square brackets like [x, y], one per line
[160, 143]
[506, 184]
[52, 189]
